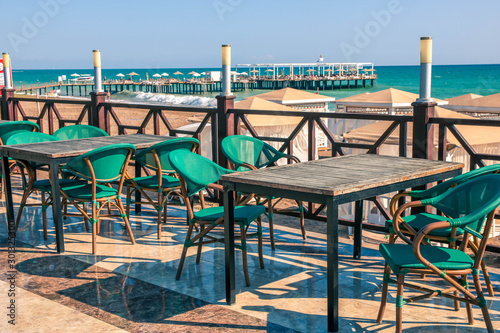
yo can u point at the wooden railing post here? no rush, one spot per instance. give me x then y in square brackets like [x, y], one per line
[225, 125]
[97, 114]
[7, 105]
[423, 131]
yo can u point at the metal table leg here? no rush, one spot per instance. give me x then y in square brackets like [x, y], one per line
[332, 248]
[229, 245]
[56, 205]
[8, 194]
[358, 228]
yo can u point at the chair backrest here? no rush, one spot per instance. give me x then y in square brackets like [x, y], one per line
[450, 183]
[79, 132]
[470, 201]
[241, 149]
[7, 128]
[146, 157]
[196, 170]
[23, 137]
[108, 162]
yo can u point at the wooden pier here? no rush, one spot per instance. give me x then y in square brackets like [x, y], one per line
[200, 86]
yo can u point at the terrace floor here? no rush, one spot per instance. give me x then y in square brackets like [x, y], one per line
[132, 288]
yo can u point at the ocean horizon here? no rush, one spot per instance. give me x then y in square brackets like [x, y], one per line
[447, 81]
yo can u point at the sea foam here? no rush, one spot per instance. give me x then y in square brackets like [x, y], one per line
[149, 97]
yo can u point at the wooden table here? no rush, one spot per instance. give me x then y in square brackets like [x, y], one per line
[331, 182]
[60, 152]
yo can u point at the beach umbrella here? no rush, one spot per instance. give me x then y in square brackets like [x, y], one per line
[178, 73]
[132, 74]
[193, 73]
[120, 75]
[311, 70]
[369, 70]
[203, 73]
[75, 74]
[196, 74]
[164, 74]
[156, 75]
[243, 73]
[254, 71]
[269, 70]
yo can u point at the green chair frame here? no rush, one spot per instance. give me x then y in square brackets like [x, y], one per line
[249, 153]
[79, 132]
[409, 229]
[99, 167]
[479, 198]
[10, 128]
[197, 173]
[164, 182]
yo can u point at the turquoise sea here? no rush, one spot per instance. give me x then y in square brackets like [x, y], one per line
[447, 81]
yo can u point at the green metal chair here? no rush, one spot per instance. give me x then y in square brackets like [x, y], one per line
[79, 132]
[248, 153]
[10, 128]
[196, 174]
[99, 167]
[410, 225]
[165, 182]
[28, 174]
[470, 206]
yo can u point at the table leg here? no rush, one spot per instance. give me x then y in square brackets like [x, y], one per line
[332, 249]
[56, 206]
[8, 194]
[358, 228]
[229, 246]
[137, 193]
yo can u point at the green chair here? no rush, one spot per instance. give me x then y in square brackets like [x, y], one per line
[9, 128]
[196, 174]
[164, 182]
[99, 167]
[79, 132]
[410, 225]
[470, 206]
[28, 174]
[248, 153]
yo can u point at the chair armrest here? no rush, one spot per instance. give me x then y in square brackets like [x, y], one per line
[293, 158]
[397, 219]
[249, 166]
[394, 201]
[422, 235]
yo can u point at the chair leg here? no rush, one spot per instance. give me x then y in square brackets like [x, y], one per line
[468, 306]
[44, 215]
[484, 308]
[94, 228]
[271, 226]
[487, 280]
[301, 216]
[85, 219]
[399, 304]
[244, 253]
[21, 207]
[200, 244]
[184, 252]
[125, 219]
[259, 240]
[385, 287]
[128, 201]
[158, 221]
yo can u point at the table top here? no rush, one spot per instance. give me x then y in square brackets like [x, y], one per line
[69, 148]
[338, 176]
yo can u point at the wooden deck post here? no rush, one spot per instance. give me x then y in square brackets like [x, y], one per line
[7, 106]
[97, 116]
[225, 125]
[423, 132]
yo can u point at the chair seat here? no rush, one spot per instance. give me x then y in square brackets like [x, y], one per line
[45, 186]
[167, 182]
[242, 214]
[84, 191]
[420, 220]
[401, 257]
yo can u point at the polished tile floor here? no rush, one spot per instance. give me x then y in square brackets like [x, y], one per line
[132, 288]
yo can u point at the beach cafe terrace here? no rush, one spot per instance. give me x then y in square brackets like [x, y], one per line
[314, 279]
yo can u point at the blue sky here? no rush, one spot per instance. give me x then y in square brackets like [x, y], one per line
[161, 33]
